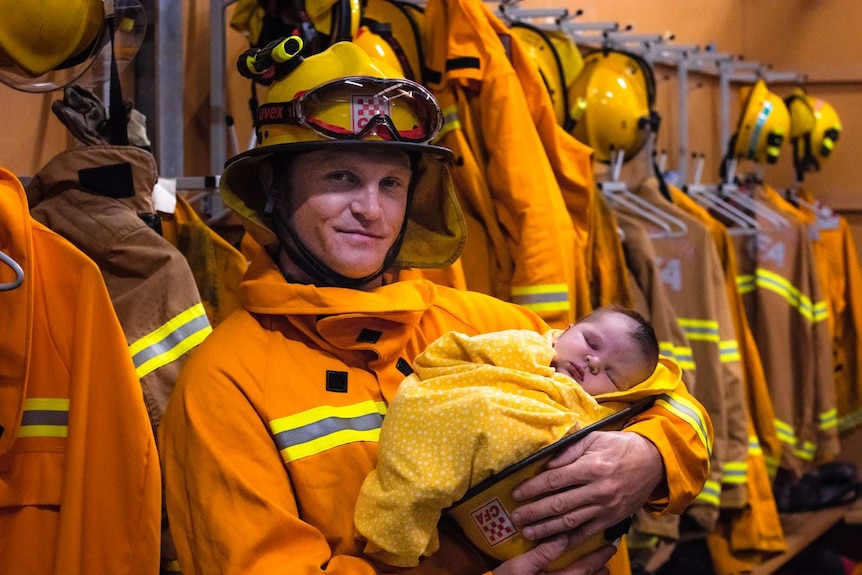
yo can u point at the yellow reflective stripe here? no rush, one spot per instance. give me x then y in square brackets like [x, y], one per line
[45, 417]
[699, 329]
[687, 411]
[682, 355]
[785, 432]
[813, 312]
[710, 494]
[170, 341]
[450, 121]
[328, 442]
[754, 445]
[805, 451]
[745, 283]
[734, 472]
[771, 465]
[828, 419]
[322, 428]
[169, 566]
[728, 351]
[539, 298]
[850, 420]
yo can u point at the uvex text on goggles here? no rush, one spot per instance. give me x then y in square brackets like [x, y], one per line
[359, 107]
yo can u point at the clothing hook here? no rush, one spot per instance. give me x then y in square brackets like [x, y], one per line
[19, 273]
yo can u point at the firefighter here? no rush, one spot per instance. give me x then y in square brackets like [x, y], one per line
[274, 423]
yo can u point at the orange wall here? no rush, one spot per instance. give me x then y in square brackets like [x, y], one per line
[817, 39]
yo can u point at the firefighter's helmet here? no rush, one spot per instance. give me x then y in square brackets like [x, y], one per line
[401, 28]
[344, 97]
[612, 99]
[541, 49]
[814, 129]
[763, 124]
[47, 45]
[319, 23]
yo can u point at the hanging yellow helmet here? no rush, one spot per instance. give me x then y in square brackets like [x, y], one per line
[572, 63]
[543, 52]
[47, 45]
[371, 38]
[612, 98]
[344, 97]
[319, 23]
[814, 129]
[762, 127]
[404, 32]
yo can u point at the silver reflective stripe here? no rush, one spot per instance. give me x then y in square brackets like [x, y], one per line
[45, 418]
[326, 427]
[170, 341]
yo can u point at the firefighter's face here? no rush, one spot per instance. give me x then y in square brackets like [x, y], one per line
[348, 206]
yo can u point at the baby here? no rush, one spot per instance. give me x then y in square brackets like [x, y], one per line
[476, 404]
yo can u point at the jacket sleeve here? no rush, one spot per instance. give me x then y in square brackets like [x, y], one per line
[679, 427]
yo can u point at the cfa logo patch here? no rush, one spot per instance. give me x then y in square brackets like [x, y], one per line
[494, 523]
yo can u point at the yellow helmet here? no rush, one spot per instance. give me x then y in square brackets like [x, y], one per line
[319, 23]
[542, 50]
[47, 45]
[762, 127]
[612, 98]
[404, 33]
[371, 38]
[344, 97]
[814, 130]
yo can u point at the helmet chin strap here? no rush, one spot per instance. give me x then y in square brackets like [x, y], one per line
[323, 275]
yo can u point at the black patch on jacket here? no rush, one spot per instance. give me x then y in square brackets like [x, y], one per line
[403, 366]
[368, 336]
[463, 63]
[114, 181]
[336, 381]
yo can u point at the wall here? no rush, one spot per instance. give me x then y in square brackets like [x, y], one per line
[816, 39]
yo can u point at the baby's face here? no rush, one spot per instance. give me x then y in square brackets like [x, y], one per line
[601, 354]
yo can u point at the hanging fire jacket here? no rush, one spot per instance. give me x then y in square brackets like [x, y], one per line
[845, 295]
[744, 537]
[754, 379]
[786, 312]
[216, 265]
[468, 56]
[79, 475]
[95, 197]
[487, 252]
[606, 257]
[280, 426]
[648, 531]
[693, 277]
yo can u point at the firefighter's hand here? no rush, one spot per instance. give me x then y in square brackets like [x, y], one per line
[589, 487]
[536, 560]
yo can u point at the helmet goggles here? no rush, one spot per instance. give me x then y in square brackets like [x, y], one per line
[360, 108]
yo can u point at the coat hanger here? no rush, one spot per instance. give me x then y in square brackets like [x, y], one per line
[19, 273]
[730, 190]
[619, 195]
[825, 218]
[709, 196]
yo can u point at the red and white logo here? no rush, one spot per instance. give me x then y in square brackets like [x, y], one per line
[494, 523]
[363, 108]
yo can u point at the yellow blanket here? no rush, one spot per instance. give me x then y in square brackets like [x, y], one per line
[473, 406]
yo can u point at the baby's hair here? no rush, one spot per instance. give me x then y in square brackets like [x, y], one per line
[643, 334]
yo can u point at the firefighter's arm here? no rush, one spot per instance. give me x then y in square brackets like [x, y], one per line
[610, 475]
[229, 499]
